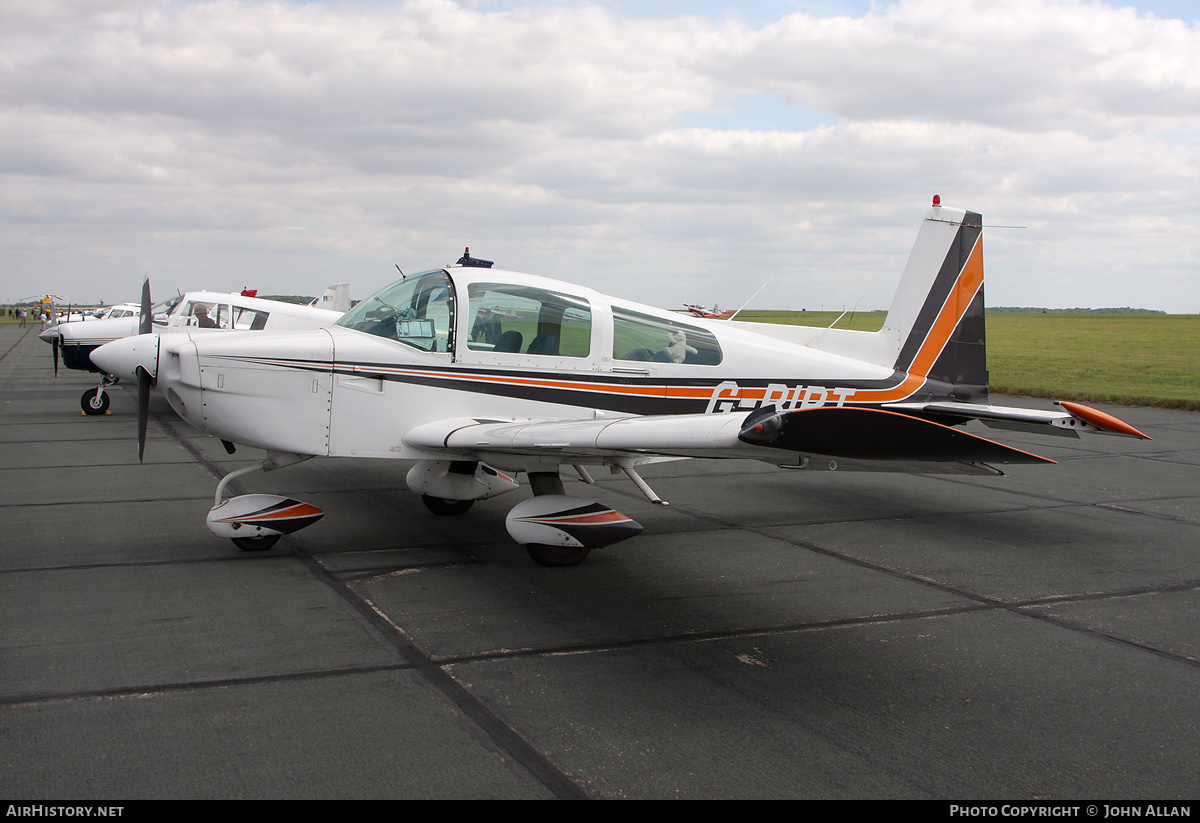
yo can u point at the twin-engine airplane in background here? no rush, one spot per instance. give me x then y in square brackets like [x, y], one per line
[198, 311]
[572, 377]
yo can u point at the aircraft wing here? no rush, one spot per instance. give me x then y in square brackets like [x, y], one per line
[871, 439]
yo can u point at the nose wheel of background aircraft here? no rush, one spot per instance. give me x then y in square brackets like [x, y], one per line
[94, 401]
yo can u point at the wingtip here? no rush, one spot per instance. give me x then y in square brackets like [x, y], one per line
[1102, 420]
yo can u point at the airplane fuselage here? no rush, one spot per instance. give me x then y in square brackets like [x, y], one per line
[356, 388]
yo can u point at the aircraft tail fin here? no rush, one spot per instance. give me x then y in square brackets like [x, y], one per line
[334, 298]
[937, 314]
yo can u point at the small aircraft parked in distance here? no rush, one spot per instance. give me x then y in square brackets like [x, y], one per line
[119, 310]
[580, 379]
[190, 312]
[713, 314]
[76, 315]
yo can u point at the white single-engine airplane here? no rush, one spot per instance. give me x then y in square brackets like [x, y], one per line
[200, 311]
[573, 377]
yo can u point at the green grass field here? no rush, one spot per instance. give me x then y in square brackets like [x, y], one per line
[1130, 359]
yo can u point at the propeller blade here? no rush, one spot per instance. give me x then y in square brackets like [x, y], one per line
[143, 409]
[146, 322]
[54, 346]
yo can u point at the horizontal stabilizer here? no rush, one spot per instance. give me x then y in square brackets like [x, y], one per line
[874, 434]
[1074, 419]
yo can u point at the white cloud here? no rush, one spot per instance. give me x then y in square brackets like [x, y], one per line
[285, 145]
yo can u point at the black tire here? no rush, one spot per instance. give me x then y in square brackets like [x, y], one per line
[442, 506]
[556, 556]
[93, 402]
[256, 544]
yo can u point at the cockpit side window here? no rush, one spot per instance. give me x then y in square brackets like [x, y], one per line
[506, 317]
[208, 315]
[161, 311]
[253, 319]
[417, 311]
[642, 337]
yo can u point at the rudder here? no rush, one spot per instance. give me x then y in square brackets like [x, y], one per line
[937, 313]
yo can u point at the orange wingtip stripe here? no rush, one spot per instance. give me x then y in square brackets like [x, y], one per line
[1101, 420]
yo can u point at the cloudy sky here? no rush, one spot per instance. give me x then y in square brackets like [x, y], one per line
[662, 151]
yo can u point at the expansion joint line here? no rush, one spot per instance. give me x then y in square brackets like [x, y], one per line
[1023, 608]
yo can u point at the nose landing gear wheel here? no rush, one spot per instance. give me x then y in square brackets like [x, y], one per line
[556, 556]
[440, 505]
[92, 402]
[256, 544]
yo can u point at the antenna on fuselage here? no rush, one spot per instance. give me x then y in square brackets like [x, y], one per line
[403, 276]
[747, 303]
[839, 317]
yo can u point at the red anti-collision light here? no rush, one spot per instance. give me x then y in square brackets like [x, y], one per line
[937, 200]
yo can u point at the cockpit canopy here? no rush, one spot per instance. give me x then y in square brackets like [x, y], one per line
[524, 316]
[418, 311]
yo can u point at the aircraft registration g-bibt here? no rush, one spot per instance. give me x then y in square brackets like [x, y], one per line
[479, 375]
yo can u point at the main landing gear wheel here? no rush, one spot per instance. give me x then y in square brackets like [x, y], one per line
[440, 505]
[256, 544]
[556, 556]
[93, 402]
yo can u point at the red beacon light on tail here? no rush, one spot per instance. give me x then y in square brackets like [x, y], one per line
[937, 200]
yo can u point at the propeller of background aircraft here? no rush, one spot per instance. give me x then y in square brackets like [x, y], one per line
[145, 325]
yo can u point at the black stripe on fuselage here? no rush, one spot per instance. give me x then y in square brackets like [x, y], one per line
[529, 384]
